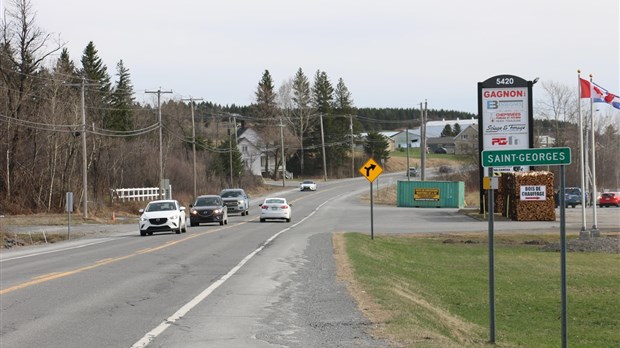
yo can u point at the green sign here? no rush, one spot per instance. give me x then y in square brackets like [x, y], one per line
[550, 156]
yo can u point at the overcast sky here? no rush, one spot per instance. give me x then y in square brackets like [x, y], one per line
[389, 53]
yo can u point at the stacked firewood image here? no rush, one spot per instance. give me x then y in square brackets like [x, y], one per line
[509, 202]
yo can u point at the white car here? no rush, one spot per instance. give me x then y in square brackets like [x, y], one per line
[307, 185]
[162, 216]
[275, 208]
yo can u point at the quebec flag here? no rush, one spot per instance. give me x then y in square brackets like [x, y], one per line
[601, 95]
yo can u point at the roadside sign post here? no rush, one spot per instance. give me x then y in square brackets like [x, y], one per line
[550, 156]
[490, 196]
[371, 170]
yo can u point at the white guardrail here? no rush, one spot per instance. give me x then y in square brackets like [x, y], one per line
[139, 194]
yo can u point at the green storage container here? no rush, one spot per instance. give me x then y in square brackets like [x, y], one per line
[431, 194]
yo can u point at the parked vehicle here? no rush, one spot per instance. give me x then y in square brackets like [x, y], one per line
[275, 208]
[441, 150]
[236, 200]
[208, 208]
[609, 198]
[413, 171]
[572, 196]
[162, 216]
[307, 185]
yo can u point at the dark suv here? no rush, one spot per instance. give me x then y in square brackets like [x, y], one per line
[236, 200]
[208, 208]
[572, 197]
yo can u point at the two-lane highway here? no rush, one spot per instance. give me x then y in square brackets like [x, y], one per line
[245, 284]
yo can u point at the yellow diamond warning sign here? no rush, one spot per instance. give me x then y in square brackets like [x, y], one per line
[371, 170]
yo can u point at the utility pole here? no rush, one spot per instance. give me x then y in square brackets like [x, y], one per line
[323, 145]
[161, 150]
[407, 141]
[352, 147]
[422, 142]
[82, 86]
[230, 129]
[192, 100]
[281, 125]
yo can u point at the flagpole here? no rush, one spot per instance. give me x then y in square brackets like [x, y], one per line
[594, 232]
[583, 233]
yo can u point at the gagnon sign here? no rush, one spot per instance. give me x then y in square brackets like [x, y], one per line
[528, 157]
[505, 111]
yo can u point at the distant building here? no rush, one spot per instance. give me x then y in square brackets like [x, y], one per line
[434, 128]
[544, 141]
[400, 139]
[466, 142]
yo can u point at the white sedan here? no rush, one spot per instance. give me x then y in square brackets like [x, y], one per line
[162, 216]
[275, 208]
[307, 185]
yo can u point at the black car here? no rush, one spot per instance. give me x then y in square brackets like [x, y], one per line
[208, 208]
[441, 150]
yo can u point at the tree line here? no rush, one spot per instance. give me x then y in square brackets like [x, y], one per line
[41, 130]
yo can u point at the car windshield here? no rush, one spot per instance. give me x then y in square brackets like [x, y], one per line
[573, 191]
[206, 201]
[274, 201]
[160, 206]
[607, 195]
[228, 194]
[308, 182]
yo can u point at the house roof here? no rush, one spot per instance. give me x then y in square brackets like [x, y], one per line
[434, 128]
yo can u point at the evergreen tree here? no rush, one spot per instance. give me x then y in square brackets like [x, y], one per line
[447, 131]
[222, 162]
[266, 111]
[94, 71]
[457, 129]
[343, 102]
[376, 147]
[265, 107]
[303, 112]
[322, 92]
[64, 65]
[120, 117]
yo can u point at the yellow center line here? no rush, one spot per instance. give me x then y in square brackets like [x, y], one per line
[57, 275]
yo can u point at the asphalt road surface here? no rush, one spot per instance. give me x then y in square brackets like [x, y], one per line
[245, 284]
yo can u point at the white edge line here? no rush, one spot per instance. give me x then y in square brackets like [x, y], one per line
[151, 335]
[58, 250]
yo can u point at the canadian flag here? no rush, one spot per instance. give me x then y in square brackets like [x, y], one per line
[597, 93]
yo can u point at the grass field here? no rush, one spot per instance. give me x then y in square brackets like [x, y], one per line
[434, 290]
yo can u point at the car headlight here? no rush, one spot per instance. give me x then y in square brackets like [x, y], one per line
[194, 211]
[143, 218]
[240, 202]
[174, 217]
[217, 211]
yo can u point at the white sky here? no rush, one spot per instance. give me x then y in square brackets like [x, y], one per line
[391, 53]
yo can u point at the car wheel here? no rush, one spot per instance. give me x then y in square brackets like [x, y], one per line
[143, 233]
[184, 229]
[288, 220]
[150, 233]
[222, 223]
[572, 206]
[193, 224]
[262, 220]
